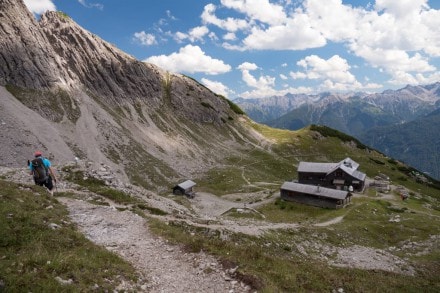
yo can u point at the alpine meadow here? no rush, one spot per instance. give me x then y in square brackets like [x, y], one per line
[163, 185]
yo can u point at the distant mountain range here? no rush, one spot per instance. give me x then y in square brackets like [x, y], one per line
[364, 116]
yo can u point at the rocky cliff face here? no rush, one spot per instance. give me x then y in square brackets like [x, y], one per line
[69, 93]
[26, 57]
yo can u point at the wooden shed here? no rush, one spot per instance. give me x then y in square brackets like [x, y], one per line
[315, 195]
[185, 188]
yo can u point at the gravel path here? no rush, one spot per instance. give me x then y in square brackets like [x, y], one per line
[165, 267]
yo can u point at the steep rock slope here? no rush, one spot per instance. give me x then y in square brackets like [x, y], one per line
[69, 93]
[26, 57]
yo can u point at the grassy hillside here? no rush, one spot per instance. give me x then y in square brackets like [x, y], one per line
[277, 162]
[296, 260]
[40, 249]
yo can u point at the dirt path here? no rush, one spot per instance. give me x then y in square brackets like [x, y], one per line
[330, 222]
[165, 267]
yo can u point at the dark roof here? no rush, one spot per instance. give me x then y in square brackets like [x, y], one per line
[187, 184]
[315, 190]
[311, 167]
[347, 165]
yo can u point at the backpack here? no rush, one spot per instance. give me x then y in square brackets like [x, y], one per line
[39, 170]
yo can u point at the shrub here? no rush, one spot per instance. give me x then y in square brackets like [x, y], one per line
[330, 132]
[234, 107]
[379, 162]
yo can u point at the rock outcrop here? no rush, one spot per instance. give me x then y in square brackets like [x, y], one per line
[26, 57]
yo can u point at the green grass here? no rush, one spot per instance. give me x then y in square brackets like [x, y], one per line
[272, 264]
[63, 14]
[329, 132]
[152, 210]
[234, 107]
[368, 223]
[33, 255]
[240, 174]
[281, 211]
[98, 186]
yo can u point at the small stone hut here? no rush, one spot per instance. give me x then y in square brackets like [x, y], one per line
[185, 188]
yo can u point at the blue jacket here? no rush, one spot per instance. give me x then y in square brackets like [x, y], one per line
[46, 164]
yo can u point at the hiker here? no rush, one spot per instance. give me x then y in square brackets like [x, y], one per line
[42, 171]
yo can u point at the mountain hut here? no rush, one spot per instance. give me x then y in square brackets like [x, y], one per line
[315, 195]
[340, 175]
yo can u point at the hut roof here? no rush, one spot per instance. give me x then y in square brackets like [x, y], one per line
[315, 190]
[187, 184]
[311, 167]
[347, 165]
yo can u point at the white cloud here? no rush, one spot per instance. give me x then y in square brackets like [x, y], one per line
[91, 5]
[401, 8]
[190, 59]
[144, 38]
[247, 66]
[334, 73]
[213, 36]
[263, 85]
[197, 33]
[39, 6]
[264, 81]
[334, 20]
[430, 21]
[298, 75]
[335, 69]
[194, 34]
[261, 10]
[180, 37]
[229, 37]
[296, 34]
[217, 87]
[399, 38]
[395, 60]
[259, 93]
[229, 24]
[402, 77]
[283, 77]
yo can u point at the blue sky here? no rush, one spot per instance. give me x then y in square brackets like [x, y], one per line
[261, 48]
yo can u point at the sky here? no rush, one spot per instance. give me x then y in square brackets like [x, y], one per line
[263, 48]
